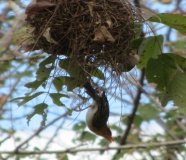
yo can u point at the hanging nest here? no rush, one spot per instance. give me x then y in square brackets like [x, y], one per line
[92, 32]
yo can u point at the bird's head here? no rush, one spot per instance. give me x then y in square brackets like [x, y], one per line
[106, 133]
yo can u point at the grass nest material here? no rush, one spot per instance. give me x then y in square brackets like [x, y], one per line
[92, 32]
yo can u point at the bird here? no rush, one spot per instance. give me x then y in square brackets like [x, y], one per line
[98, 114]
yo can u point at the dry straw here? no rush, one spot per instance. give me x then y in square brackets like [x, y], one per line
[93, 33]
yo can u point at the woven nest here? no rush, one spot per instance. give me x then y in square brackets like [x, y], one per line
[92, 32]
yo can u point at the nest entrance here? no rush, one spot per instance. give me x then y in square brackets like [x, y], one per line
[92, 32]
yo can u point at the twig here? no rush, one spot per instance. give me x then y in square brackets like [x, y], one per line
[2, 141]
[123, 147]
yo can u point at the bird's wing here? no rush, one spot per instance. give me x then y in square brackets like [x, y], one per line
[101, 116]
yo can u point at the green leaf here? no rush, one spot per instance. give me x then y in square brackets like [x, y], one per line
[69, 111]
[120, 155]
[181, 61]
[169, 79]
[177, 45]
[2, 49]
[148, 112]
[27, 73]
[137, 29]
[34, 85]
[161, 71]
[77, 72]
[36, 149]
[74, 70]
[5, 66]
[56, 98]
[79, 127]
[117, 129]
[176, 91]
[125, 120]
[171, 114]
[87, 136]
[57, 83]
[27, 98]
[97, 73]
[62, 156]
[138, 120]
[176, 21]
[38, 109]
[103, 142]
[20, 157]
[137, 42]
[44, 71]
[70, 82]
[151, 47]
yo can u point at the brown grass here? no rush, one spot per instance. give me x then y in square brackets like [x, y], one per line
[93, 33]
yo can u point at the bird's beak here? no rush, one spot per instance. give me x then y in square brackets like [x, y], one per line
[110, 139]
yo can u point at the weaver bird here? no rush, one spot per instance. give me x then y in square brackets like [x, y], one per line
[97, 117]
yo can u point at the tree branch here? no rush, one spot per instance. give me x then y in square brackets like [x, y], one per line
[123, 147]
[136, 103]
[135, 107]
